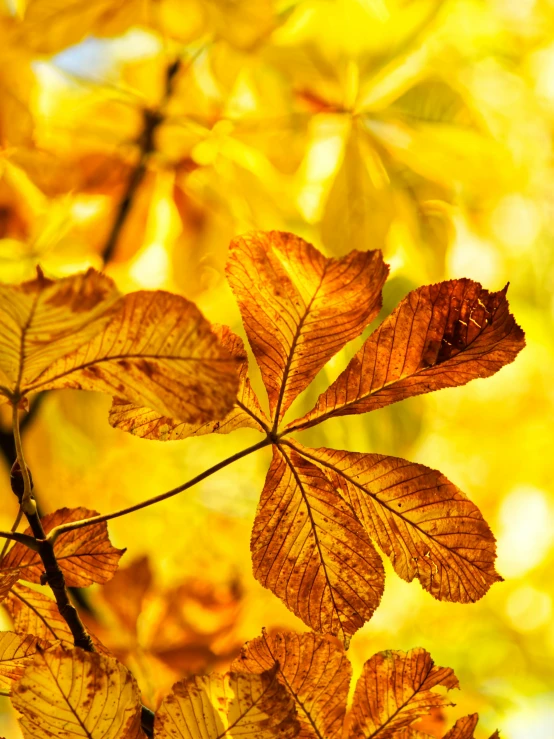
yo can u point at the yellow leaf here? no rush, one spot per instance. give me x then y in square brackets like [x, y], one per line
[246, 412]
[15, 652]
[314, 670]
[85, 556]
[233, 705]
[7, 580]
[311, 551]
[423, 522]
[69, 693]
[300, 308]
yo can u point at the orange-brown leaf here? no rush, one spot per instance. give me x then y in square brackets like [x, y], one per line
[157, 351]
[7, 581]
[439, 336]
[394, 690]
[15, 652]
[236, 704]
[311, 551]
[69, 694]
[423, 522]
[245, 413]
[315, 671]
[85, 556]
[300, 308]
[463, 728]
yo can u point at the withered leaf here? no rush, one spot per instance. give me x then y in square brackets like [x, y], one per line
[236, 704]
[15, 652]
[424, 523]
[34, 613]
[315, 671]
[7, 581]
[245, 413]
[300, 308]
[439, 336]
[85, 556]
[464, 728]
[394, 690]
[157, 351]
[311, 551]
[70, 693]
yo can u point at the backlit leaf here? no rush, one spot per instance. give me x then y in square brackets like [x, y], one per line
[463, 728]
[299, 308]
[69, 693]
[423, 522]
[246, 412]
[15, 652]
[315, 671]
[310, 550]
[236, 704]
[439, 336]
[394, 690]
[7, 581]
[85, 556]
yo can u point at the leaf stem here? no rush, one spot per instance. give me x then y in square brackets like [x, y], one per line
[71, 526]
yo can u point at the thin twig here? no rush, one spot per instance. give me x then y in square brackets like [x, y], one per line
[13, 530]
[25, 539]
[71, 526]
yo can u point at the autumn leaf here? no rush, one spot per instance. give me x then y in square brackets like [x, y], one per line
[299, 308]
[15, 652]
[439, 336]
[85, 556]
[424, 523]
[150, 348]
[310, 550]
[235, 704]
[7, 581]
[314, 670]
[394, 690]
[246, 412]
[464, 728]
[69, 693]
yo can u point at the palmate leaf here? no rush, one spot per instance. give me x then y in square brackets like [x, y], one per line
[232, 705]
[85, 556]
[70, 693]
[321, 509]
[150, 348]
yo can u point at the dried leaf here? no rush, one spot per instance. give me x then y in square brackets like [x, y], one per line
[15, 652]
[157, 351]
[236, 704]
[69, 693]
[314, 670]
[439, 336]
[394, 690]
[311, 551]
[463, 728]
[299, 308]
[85, 556]
[423, 522]
[246, 412]
[7, 581]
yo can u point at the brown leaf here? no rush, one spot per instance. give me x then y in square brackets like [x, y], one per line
[246, 412]
[15, 652]
[314, 670]
[7, 581]
[394, 690]
[69, 693]
[463, 728]
[439, 336]
[311, 551]
[157, 351]
[300, 308]
[236, 704]
[85, 556]
[34, 613]
[423, 522]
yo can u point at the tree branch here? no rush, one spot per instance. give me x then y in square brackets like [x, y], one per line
[25, 539]
[71, 526]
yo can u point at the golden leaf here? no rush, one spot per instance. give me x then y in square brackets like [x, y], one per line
[299, 308]
[70, 693]
[7, 581]
[236, 704]
[439, 336]
[85, 556]
[246, 412]
[314, 670]
[464, 728]
[15, 652]
[394, 690]
[311, 551]
[424, 523]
